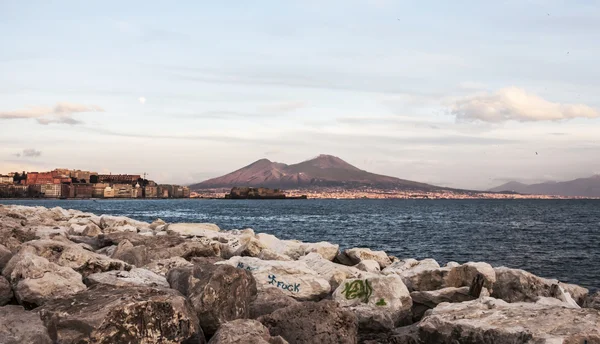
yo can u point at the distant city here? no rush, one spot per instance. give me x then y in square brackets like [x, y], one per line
[68, 184]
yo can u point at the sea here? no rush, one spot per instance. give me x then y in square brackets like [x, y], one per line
[550, 238]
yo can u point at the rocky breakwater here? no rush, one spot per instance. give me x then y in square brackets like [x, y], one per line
[74, 277]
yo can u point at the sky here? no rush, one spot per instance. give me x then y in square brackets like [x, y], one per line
[467, 94]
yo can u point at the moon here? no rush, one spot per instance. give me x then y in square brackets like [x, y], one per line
[142, 100]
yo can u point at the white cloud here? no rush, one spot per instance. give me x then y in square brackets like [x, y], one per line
[61, 113]
[142, 100]
[515, 104]
[284, 106]
[32, 153]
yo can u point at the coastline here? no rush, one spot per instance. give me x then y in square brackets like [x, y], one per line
[260, 282]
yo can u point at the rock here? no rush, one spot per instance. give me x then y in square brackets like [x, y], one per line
[244, 331]
[357, 255]
[368, 266]
[6, 293]
[36, 281]
[75, 257]
[133, 277]
[162, 266]
[463, 275]
[400, 335]
[193, 229]
[75, 229]
[426, 300]
[332, 272]
[91, 230]
[326, 250]
[294, 278]
[218, 293]
[592, 301]
[111, 224]
[313, 322]
[419, 275]
[268, 301]
[296, 249]
[19, 326]
[451, 265]
[489, 320]
[156, 224]
[89, 242]
[5, 255]
[379, 302]
[579, 294]
[515, 285]
[105, 314]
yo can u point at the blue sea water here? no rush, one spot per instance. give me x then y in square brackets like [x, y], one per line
[550, 238]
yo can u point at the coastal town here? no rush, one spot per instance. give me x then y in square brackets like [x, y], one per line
[78, 184]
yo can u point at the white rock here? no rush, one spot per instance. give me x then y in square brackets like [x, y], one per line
[419, 275]
[463, 275]
[294, 278]
[134, 277]
[357, 255]
[379, 302]
[75, 229]
[193, 229]
[330, 271]
[111, 224]
[368, 266]
[162, 266]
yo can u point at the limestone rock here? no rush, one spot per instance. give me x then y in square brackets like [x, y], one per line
[218, 293]
[368, 266]
[379, 302]
[426, 300]
[419, 275]
[296, 249]
[91, 230]
[294, 278]
[244, 331]
[193, 229]
[330, 271]
[326, 250]
[133, 277]
[110, 224]
[489, 320]
[105, 314]
[357, 255]
[36, 281]
[592, 301]
[268, 301]
[6, 293]
[18, 326]
[463, 275]
[515, 285]
[162, 266]
[313, 322]
[75, 257]
[5, 255]
[578, 293]
[158, 225]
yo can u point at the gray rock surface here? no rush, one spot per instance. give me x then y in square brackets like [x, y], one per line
[356, 255]
[5, 255]
[133, 277]
[268, 301]
[162, 266]
[218, 293]
[6, 293]
[313, 322]
[592, 301]
[105, 314]
[426, 300]
[244, 331]
[18, 326]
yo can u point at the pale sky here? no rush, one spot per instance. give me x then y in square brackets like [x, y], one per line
[454, 93]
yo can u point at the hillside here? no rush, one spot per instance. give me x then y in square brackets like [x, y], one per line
[324, 170]
[582, 187]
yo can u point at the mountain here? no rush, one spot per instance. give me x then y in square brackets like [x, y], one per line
[583, 187]
[324, 170]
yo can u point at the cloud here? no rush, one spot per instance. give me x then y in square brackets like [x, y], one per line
[284, 106]
[515, 104]
[31, 153]
[61, 113]
[142, 100]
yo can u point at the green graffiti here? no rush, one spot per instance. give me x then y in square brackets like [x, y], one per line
[358, 289]
[381, 302]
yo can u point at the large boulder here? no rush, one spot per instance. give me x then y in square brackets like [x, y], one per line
[313, 322]
[493, 321]
[463, 275]
[419, 275]
[379, 302]
[296, 249]
[244, 331]
[5, 255]
[105, 314]
[332, 272]
[18, 326]
[35, 280]
[357, 255]
[268, 301]
[516, 285]
[426, 300]
[218, 293]
[133, 277]
[74, 256]
[294, 278]
[6, 293]
[192, 229]
[109, 224]
[162, 266]
[592, 301]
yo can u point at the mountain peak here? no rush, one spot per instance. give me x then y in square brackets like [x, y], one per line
[328, 161]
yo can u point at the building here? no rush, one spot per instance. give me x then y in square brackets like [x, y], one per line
[137, 192]
[164, 191]
[151, 191]
[98, 190]
[119, 178]
[6, 179]
[67, 191]
[109, 192]
[14, 191]
[122, 190]
[186, 192]
[83, 190]
[51, 190]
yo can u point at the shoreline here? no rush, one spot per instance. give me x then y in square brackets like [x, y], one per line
[104, 270]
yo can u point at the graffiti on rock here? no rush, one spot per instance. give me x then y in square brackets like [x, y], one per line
[241, 265]
[358, 289]
[292, 287]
